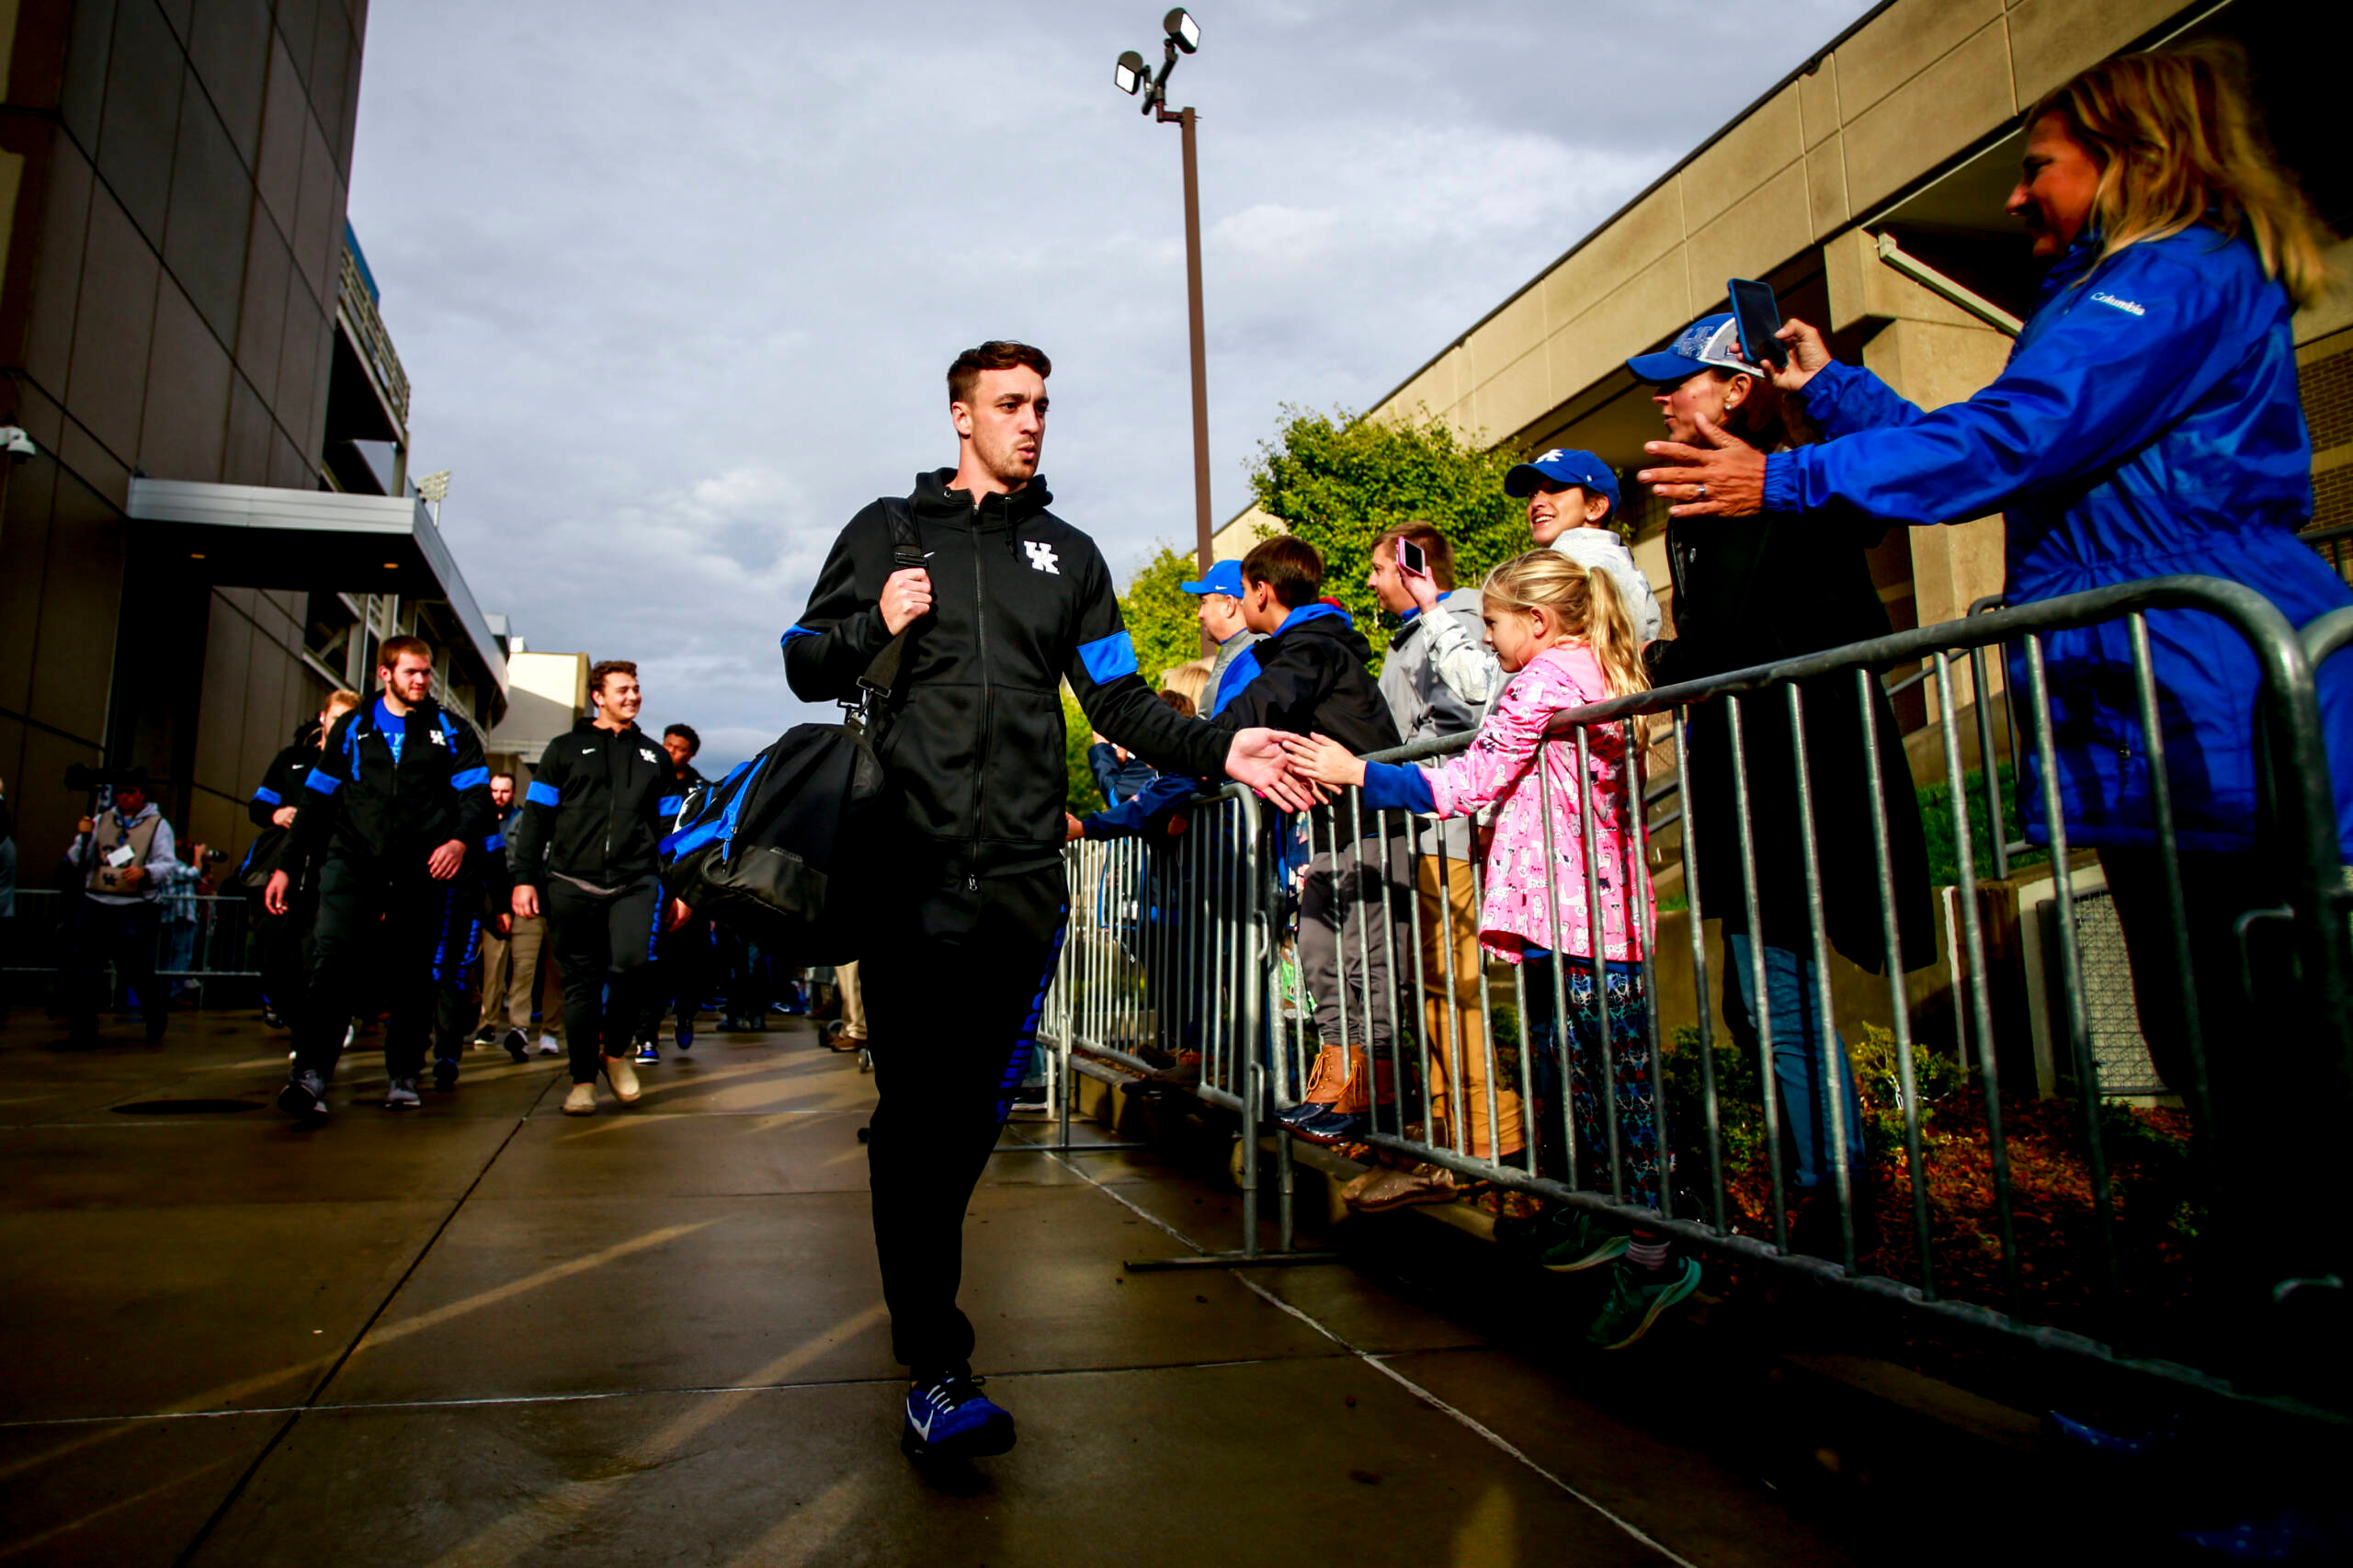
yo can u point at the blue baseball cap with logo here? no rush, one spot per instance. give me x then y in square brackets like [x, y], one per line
[1222, 578]
[1563, 465]
[1711, 343]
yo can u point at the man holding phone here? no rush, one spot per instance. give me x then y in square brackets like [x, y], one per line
[1437, 680]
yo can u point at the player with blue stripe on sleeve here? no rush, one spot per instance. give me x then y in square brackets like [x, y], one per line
[391, 815]
[587, 856]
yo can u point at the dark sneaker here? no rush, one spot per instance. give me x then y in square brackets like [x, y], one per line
[518, 1044]
[948, 1417]
[685, 1039]
[304, 1098]
[1636, 1299]
[1326, 1126]
[445, 1074]
[648, 1052]
[400, 1095]
[1578, 1243]
[486, 1037]
[272, 1018]
[1030, 1094]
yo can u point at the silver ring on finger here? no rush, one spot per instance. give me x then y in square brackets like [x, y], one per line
[1703, 492]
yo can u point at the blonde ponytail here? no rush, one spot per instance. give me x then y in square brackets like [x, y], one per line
[1587, 604]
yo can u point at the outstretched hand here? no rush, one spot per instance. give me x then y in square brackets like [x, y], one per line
[1256, 759]
[1323, 760]
[1724, 478]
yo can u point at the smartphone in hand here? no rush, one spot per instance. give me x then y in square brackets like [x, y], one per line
[1759, 317]
[1412, 558]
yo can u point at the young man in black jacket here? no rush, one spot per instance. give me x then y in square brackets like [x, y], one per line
[276, 801]
[585, 851]
[397, 805]
[1010, 602]
[1312, 674]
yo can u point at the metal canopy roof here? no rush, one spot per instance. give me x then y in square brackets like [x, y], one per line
[253, 537]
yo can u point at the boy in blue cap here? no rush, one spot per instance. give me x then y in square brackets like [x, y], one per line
[1572, 508]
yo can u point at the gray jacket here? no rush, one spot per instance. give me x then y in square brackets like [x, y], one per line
[1438, 680]
[1600, 550]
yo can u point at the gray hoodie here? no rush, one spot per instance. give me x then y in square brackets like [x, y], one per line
[1438, 680]
[1600, 550]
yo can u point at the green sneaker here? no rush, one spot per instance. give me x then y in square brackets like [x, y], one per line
[1635, 1301]
[1576, 1242]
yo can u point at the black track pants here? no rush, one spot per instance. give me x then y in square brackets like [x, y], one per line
[603, 943]
[953, 990]
[377, 937]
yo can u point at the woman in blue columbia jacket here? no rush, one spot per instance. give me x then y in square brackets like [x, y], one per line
[2148, 426]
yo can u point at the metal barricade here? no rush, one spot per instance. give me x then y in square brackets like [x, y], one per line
[198, 935]
[1458, 1064]
[1164, 976]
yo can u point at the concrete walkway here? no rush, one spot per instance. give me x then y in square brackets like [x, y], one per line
[485, 1333]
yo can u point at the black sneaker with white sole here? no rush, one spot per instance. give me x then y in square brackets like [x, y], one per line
[518, 1044]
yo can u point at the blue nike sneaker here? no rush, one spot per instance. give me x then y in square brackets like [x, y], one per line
[949, 1417]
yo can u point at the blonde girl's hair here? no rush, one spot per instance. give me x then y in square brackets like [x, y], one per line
[1189, 680]
[1587, 604]
[2180, 142]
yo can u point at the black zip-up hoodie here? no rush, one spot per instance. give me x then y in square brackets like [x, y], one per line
[597, 808]
[971, 741]
[1314, 677]
[388, 809]
[282, 786]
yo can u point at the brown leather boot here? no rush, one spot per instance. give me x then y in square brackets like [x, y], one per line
[1366, 1078]
[1324, 1085]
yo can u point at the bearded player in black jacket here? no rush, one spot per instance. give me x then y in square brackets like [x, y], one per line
[1011, 602]
[586, 850]
[396, 807]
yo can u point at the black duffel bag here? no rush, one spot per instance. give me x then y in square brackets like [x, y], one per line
[782, 849]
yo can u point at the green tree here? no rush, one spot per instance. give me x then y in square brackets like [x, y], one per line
[1338, 479]
[1160, 613]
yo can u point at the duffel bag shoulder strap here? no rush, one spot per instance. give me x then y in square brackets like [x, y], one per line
[906, 555]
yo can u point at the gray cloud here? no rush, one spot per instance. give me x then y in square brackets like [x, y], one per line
[677, 287]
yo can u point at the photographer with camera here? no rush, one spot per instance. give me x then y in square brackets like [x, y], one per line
[398, 803]
[119, 861]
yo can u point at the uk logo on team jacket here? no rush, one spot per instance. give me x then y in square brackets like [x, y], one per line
[1041, 556]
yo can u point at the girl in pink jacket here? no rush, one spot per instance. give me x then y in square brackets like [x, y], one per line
[1563, 638]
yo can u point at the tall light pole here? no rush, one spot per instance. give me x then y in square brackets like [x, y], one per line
[1129, 77]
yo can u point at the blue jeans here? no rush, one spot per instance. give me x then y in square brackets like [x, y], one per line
[1792, 999]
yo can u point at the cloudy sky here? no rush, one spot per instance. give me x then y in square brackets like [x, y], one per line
[676, 286]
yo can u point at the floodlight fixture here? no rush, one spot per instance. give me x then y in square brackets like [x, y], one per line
[1182, 30]
[1127, 73]
[435, 486]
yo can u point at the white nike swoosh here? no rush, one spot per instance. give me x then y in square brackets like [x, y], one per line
[923, 1429]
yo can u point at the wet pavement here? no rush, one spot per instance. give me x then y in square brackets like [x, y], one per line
[485, 1333]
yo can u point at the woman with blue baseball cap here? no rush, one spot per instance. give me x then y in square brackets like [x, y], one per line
[1748, 595]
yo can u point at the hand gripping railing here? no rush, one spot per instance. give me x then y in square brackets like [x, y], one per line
[1743, 1214]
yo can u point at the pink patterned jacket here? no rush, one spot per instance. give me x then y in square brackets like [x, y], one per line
[1499, 770]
